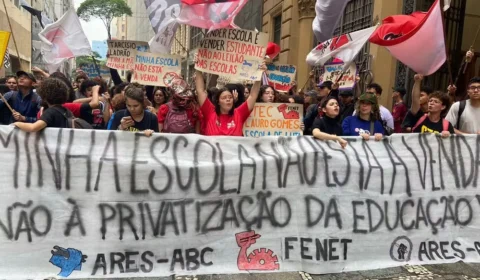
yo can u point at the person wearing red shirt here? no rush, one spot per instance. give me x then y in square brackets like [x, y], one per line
[220, 116]
[399, 109]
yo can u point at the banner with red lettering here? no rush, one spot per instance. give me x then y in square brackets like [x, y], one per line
[154, 69]
[233, 53]
[274, 119]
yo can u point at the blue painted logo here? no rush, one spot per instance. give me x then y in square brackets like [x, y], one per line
[68, 260]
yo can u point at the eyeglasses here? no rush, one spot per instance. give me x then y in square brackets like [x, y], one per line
[473, 88]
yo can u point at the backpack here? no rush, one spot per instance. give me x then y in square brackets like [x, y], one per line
[72, 121]
[445, 123]
[461, 108]
[177, 121]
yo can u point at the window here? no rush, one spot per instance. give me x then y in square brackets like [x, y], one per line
[123, 27]
[277, 29]
[196, 36]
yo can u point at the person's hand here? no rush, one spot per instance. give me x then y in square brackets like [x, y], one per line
[335, 86]
[263, 66]
[342, 142]
[126, 123]
[18, 117]
[452, 89]
[106, 96]
[148, 132]
[235, 95]
[365, 136]
[96, 89]
[151, 109]
[378, 136]
[35, 69]
[408, 129]
[311, 74]
[445, 134]
[418, 77]
[16, 124]
[469, 55]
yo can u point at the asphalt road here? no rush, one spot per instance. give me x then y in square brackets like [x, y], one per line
[457, 271]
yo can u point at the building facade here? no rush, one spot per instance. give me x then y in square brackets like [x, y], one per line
[289, 24]
[21, 24]
[138, 26]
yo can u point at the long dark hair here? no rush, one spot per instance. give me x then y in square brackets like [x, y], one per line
[241, 93]
[216, 101]
[165, 92]
[262, 91]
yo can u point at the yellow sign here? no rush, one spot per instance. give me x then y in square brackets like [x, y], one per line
[4, 37]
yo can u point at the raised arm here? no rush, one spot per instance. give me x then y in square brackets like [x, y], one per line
[416, 94]
[95, 103]
[252, 98]
[202, 94]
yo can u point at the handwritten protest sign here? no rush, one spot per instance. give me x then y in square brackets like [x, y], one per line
[274, 119]
[333, 71]
[281, 76]
[153, 69]
[112, 204]
[91, 70]
[233, 52]
[4, 37]
[121, 53]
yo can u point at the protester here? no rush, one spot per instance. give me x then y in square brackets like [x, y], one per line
[327, 127]
[160, 97]
[366, 121]
[81, 77]
[248, 88]
[55, 93]
[24, 102]
[399, 108]
[386, 116]
[11, 82]
[135, 118]
[309, 99]
[348, 102]
[433, 121]
[425, 91]
[465, 115]
[238, 91]
[180, 115]
[220, 116]
[267, 95]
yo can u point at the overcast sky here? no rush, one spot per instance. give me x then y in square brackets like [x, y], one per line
[94, 29]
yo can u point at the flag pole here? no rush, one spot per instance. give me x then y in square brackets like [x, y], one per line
[468, 60]
[13, 34]
[6, 103]
[442, 4]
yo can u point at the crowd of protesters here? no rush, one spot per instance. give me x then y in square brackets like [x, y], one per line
[34, 102]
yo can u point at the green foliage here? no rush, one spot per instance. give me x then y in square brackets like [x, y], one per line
[106, 10]
[81, 60]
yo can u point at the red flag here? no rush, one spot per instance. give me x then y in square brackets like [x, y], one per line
[417, 40]
[197, 2]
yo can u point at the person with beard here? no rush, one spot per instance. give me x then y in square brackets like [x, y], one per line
[327, 127]
[180, 115]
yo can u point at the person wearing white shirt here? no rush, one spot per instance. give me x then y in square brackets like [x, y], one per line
[467, 110]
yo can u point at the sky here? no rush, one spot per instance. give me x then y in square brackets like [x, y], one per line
[94, 29]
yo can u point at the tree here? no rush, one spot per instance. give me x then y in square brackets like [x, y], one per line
[81, 60]
[106, 10]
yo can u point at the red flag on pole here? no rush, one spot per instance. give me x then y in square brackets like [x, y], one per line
[417, 40]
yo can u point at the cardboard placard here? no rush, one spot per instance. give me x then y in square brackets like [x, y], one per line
[333, 71]
[153, 69]
[233, 53]
[274, 119]
[281, 76]
[121, 53]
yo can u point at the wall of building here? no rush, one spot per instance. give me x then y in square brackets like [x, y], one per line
[138, 25]
[21, 25]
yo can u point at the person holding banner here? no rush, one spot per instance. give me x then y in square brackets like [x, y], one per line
[135, 118]
[328, 127]
[366, 121]
[220, 117]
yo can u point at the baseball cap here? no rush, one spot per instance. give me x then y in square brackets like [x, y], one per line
[326, 84]
[346, 93]
[401, 90]
[312, 93]
[368, 97]
[29, 75]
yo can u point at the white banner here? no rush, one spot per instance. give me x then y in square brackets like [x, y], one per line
[103, 204]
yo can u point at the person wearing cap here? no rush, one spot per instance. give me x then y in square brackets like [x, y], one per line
[348, 101]
[367, 121]
[25, 102]
[399, 110]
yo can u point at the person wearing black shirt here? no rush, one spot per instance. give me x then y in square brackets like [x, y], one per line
[328, 126]
[135, 118]
[433, 121]
[54, 92]
[348, 101]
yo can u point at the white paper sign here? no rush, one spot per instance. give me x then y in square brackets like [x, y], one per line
[110, 204]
